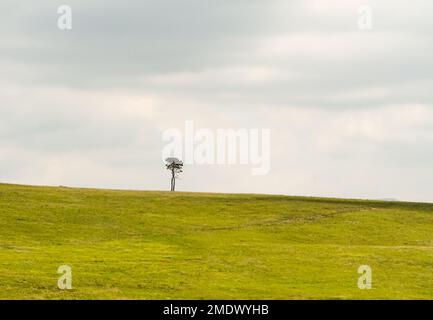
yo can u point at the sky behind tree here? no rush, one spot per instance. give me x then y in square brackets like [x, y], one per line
[350, 110]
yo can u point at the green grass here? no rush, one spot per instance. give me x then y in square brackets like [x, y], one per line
[161, 245]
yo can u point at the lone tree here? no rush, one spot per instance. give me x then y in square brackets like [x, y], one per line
[175, 166]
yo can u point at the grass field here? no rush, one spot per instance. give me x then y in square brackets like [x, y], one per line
[160, 245]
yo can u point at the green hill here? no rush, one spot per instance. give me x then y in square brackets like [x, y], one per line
[161, 245]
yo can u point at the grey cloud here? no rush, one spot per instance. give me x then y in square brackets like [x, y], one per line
[116, 44]
[291, 66]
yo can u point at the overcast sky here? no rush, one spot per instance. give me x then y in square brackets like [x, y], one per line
[350, 111]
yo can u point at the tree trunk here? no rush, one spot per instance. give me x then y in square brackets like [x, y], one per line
[173, 179]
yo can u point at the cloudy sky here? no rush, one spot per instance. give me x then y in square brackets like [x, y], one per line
[350, 110]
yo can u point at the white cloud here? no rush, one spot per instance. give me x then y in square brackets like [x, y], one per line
[350, 111]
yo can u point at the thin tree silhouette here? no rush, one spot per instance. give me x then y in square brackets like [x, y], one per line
[175, 166]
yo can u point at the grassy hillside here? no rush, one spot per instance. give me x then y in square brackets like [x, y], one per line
[158, 245]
